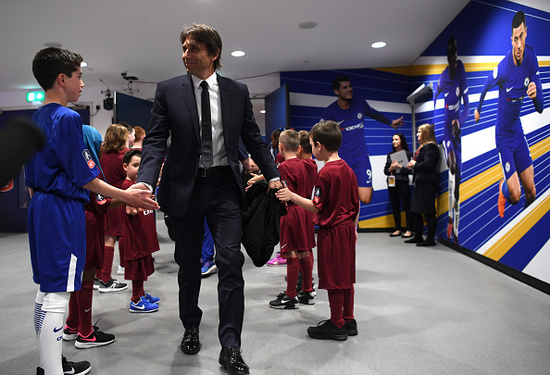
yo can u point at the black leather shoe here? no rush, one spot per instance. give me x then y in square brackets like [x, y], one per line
[414, 240]
[426, 243]
[231, 360]
[190, 343]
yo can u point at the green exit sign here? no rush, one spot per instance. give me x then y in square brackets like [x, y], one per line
[35, 96]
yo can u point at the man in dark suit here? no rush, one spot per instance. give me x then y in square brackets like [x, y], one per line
[201, 178]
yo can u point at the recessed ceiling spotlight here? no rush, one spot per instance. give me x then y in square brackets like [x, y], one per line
[262, 111]
[307, 25]
[83, 64]
[379, 44]
[53, 44]
[238, 53]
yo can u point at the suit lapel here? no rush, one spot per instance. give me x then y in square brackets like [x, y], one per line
[224, 97]
[188, 92]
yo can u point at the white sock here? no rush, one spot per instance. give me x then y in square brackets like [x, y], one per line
[49, 324]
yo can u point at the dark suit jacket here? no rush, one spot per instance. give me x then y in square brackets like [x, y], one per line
[175, 114]
[426, 169]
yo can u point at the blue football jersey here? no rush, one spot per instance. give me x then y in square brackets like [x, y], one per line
[64, 165]
[512, 84]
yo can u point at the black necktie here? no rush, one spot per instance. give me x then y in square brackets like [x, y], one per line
[207, 157]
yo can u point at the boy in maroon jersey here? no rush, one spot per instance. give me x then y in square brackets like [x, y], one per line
[140, 241]
[79, 321]
[336, 202]
[297, 234]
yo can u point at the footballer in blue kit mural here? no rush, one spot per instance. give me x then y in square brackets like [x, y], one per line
[517, 77]
[349, 112]
[452, 83]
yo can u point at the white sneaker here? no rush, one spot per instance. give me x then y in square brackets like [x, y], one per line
[120, 270]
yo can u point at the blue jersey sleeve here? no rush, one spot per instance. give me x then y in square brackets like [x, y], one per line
[464, 90]
[71, 153]
[539, 100]
[491, 81]
[374, 114]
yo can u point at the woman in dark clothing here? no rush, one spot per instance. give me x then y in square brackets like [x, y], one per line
[398, 185]
[426, 182]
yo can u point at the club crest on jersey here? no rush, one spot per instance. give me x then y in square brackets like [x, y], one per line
[526, 82]
[317, 196]
[88, 157]
[457, 91]
[359, 115]
[507, 167]
[100, 199]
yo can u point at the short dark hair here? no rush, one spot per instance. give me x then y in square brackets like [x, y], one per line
[304, 141]
[518, 19]
[128, 155]
[207, 35]
[50, 62]
[336, 81]
[328, 134]
[290, 139]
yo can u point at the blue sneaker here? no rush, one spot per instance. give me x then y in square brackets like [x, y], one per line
[208, 268]
[143, 306]
[151, 299]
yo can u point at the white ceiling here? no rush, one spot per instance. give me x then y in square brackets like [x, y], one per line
[142, 36]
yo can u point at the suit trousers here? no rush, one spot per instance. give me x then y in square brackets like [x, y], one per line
[401, 194]
[216, 197]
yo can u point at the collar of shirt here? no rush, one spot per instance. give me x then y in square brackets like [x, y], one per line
[218, 146]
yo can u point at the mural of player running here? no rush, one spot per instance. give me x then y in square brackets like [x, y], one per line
[452, 83]
[517, 75]
[349, 112]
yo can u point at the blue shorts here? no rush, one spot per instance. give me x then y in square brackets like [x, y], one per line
[363, 170]
[514, 156]
[57, 241]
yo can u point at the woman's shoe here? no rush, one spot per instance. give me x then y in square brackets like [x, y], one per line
[405, 236]
[394, 234]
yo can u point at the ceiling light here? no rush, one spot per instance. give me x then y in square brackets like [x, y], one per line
[379, 44]
[262, 111]
[307, 25]
[238, 53]
[83, 64]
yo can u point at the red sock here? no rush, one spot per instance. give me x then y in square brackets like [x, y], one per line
[73, 318]
[107, 263]
[121, 251]
[292, 270]
[306, 265]
[336, 302]
[84, 297]
[137, 290]
[349, 301]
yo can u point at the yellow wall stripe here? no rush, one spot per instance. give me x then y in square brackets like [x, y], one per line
[468, 189]
[421, 70]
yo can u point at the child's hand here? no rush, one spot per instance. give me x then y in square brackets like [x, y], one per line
[284, 194]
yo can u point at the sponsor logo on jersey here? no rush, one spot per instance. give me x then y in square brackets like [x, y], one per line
[147, 212]
[88, 157]
[317, 196]
[352, 127]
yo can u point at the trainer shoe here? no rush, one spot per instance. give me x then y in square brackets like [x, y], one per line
[94, 339]
[75, 368]
[284, 302]
[351, 327]
[69, 334]
[501, 199]
[143, 306]
[120, 270]
[112, 286]
[152, 299]
[96, 283]
[306, 298]
[208, 268]
[326, 330]
[277, 261]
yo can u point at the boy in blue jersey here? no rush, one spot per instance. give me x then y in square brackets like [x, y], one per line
[349, 113]
[57, 177]
[516, 75]
[452, 83]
